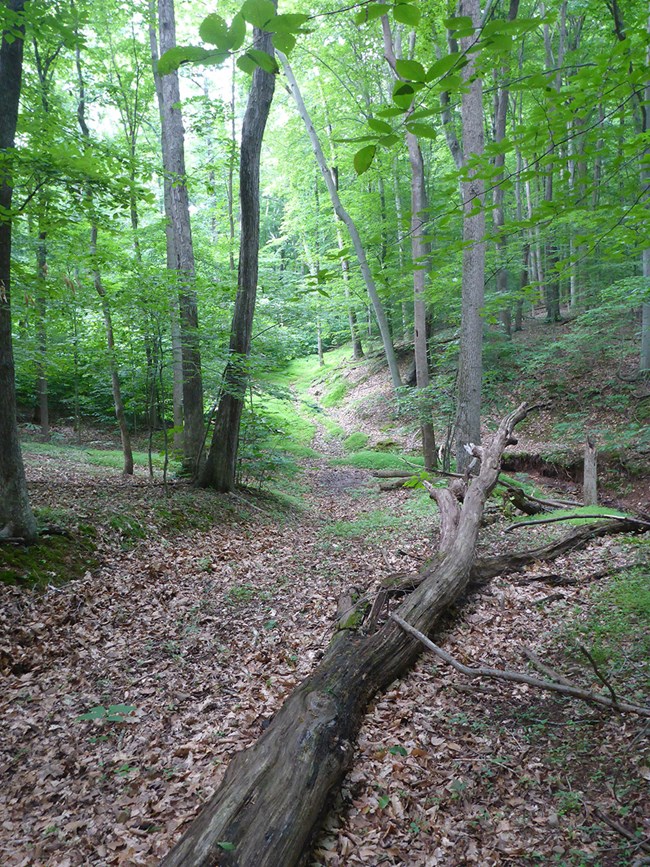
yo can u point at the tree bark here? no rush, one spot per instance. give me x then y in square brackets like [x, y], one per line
[181, 253]
[470, 364]
[271, 799]
[590, 474]
[16, 517]
[420, 256]
[343, 215]
[220, 466]
[41, 318]
[502, 93]
[118, 404]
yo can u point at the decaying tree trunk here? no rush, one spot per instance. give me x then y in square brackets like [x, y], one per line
[590, 473]
[268, 806]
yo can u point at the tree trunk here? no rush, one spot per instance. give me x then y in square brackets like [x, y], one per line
[220, 467]
[420, 253]
[590, 474]
[271, 799]
[118, 404]
[357, 348]
[41, 318]
[181, 253]
[501, 98]
[470, 365]
[16, 517]
[343, 215]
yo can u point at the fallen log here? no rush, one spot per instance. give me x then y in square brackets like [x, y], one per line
[268, 807]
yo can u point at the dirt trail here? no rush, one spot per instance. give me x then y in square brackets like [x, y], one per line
[205, 633]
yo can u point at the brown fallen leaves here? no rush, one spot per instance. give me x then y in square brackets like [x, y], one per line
[205, 632]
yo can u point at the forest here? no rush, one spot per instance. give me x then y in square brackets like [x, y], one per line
[325, 335]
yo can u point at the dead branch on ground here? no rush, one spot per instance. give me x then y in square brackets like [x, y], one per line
[519, 677]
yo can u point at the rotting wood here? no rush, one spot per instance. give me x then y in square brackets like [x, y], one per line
[268, 807]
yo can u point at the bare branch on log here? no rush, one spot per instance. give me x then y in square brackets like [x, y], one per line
[556, 519]
[518, 677]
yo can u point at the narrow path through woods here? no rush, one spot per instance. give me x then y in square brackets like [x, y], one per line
[205, 633]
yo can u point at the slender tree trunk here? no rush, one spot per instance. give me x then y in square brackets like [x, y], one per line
[182, 252]
[16, 517]
[343, 215]
[420, 253]
[177, 351]
[552, 287]
[118, 404]
[220, 468]
[470, 366]
[501, 98]
[644, 361]
[232, 159]
[41, 317]
[357, 349]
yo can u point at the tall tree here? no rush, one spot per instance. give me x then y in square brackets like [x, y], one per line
[220, 466]
[345, 217]
[470, 365]
[420, 253]
[180, 251]
[16, 517]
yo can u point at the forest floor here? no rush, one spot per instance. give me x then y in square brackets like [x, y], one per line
[201, 613]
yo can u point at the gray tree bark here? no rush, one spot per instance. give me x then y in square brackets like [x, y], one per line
[16, 517]
[343, 215]
[420, 253]
[180, 254]
[220, 467]
[470, 363]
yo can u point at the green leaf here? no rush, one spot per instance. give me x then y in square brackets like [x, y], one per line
[237, 32]
[463, 22]
[121, 708]
[442, 66]
[398, 750]
[387, 141]
[284, 42]
[246, 64]
[422, 130]
[214, 30]
[363, 159]
[411, 70]
[403, 94]
[226, 846]
[405, 13]
[172, 59]
[390, 112]
[258, 12]
[384, 801]
[379, 125]
[370, 13]
[263, 60]
[287, 24]
[98, 712]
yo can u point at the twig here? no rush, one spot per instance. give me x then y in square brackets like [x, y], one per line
[577, 517]
[642, 844]
[517, 677]
[545, 669]
[601, 677]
